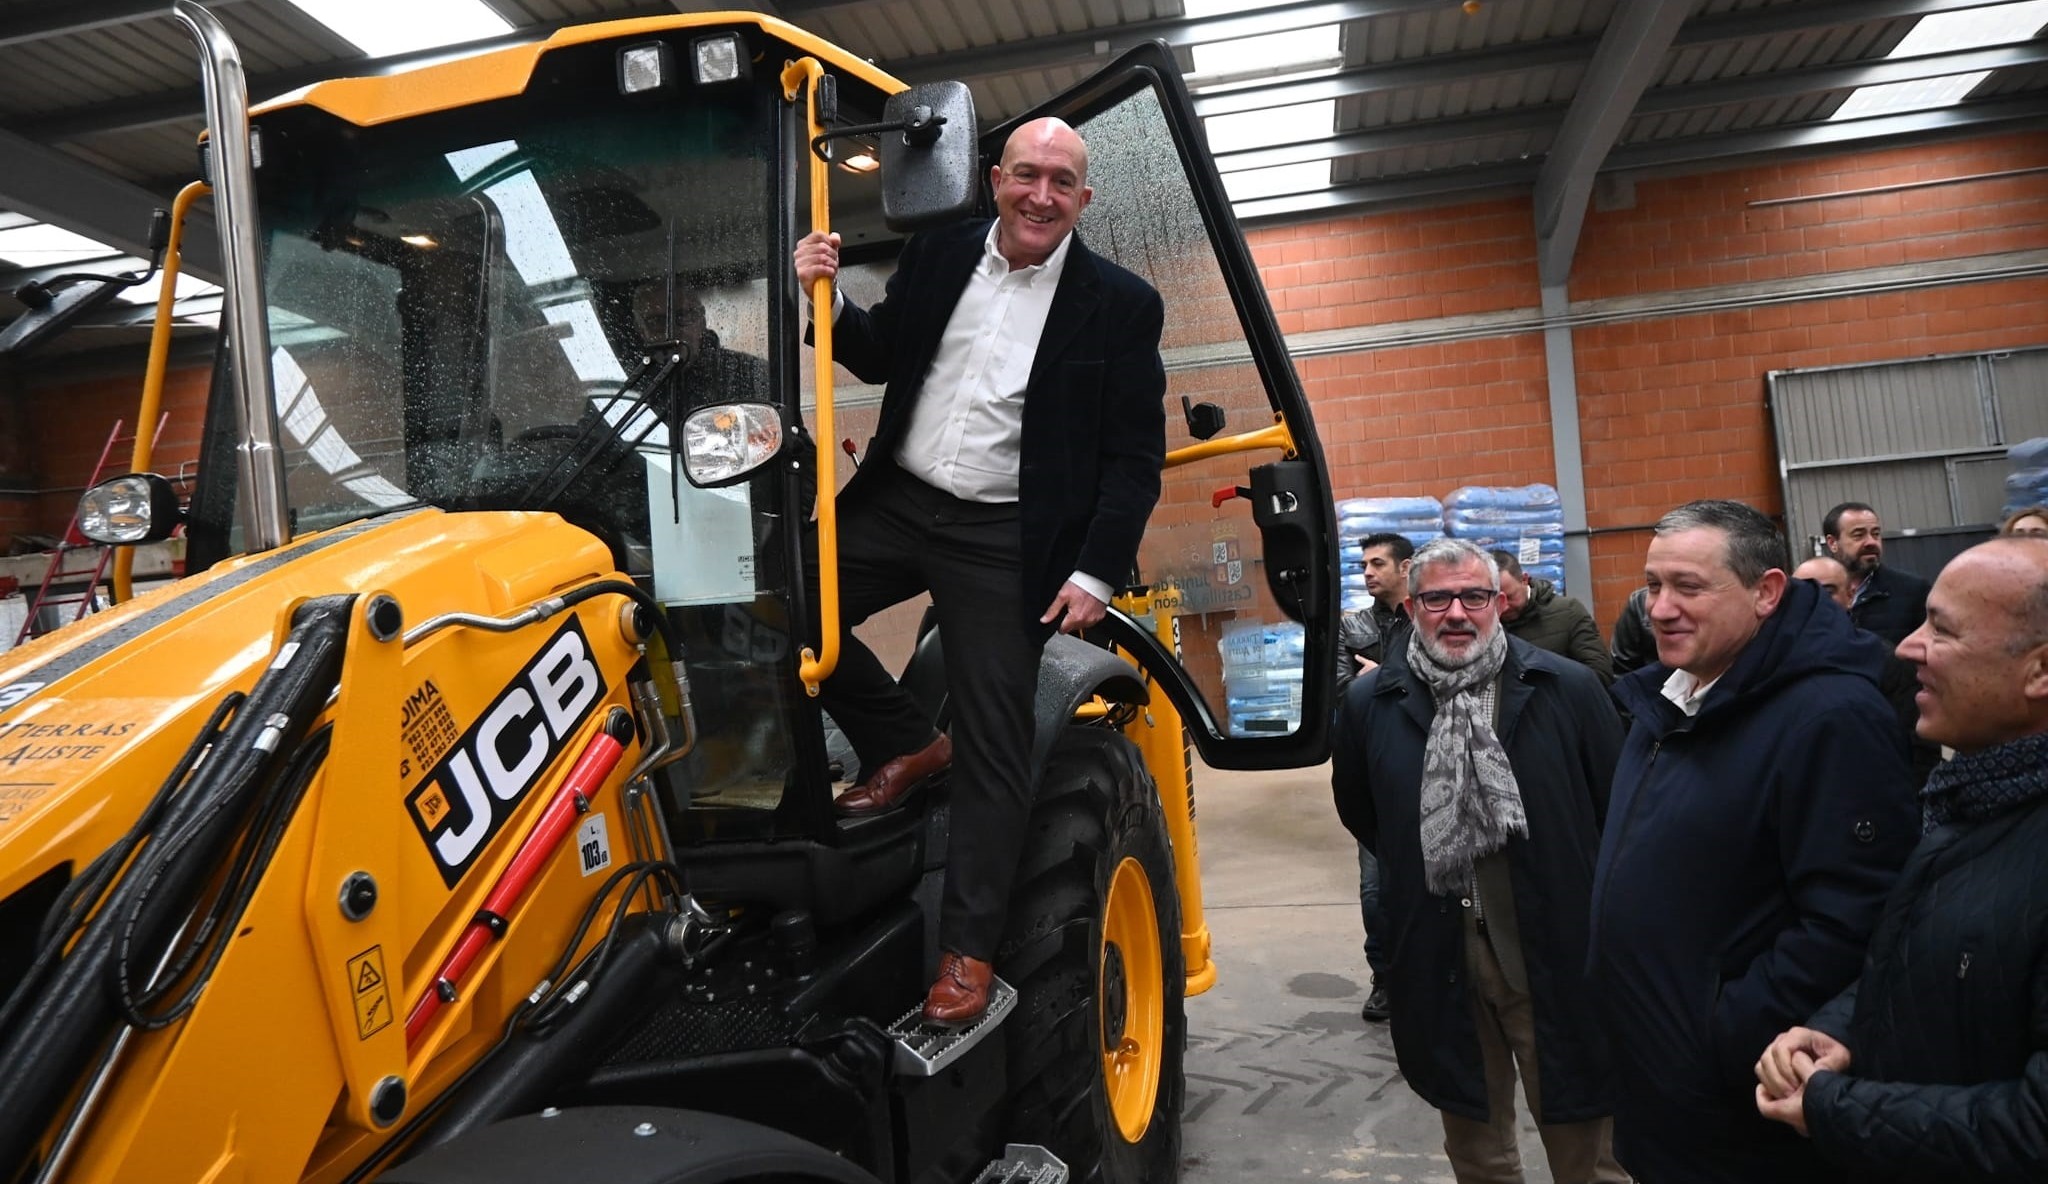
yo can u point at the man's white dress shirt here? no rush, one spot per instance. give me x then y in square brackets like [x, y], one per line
[967, 427]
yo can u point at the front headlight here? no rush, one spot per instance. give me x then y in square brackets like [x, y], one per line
[729, 440]
[137, 508]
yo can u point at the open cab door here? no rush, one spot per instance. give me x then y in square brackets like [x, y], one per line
[1233, 611]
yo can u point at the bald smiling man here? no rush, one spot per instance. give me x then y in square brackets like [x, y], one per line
[1016, 459]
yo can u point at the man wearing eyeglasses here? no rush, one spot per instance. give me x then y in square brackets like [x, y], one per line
[1015, 461]
[1478, 766]
[1761, 810]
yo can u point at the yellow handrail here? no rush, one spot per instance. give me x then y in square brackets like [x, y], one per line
[1276, 436]
[817, 666]
[153, 372]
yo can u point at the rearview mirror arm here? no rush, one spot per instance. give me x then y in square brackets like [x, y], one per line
[920, 129]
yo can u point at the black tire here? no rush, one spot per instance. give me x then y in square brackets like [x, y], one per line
[1096, 808]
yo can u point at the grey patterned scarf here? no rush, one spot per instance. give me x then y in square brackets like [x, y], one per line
[1470, 801]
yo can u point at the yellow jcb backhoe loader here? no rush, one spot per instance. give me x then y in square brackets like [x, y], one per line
[466, 814]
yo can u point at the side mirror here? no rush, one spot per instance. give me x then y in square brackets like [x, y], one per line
[930, 169]
[137, 508]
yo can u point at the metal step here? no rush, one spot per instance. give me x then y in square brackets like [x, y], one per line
[924, 1048]
[1024, 1163]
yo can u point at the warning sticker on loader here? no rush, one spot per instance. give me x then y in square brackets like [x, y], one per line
[371, 992]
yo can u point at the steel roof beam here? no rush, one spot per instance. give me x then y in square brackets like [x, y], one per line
[41, 22]
[1631, 53]
[1420, 187]
[1846, 76]
[1962, 117]
[1796, 18]
[1419, 133]
[1660, 154]
[52, 187]
[1099, 45]
[1379, 78]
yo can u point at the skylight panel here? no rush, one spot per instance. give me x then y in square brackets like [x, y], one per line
[1294, 49]
[43, 245]
[188, 287]
[468, 162]
[1946, 32]
[1252, 184]
[1271, 125]
[381, 28]
[1197, 9]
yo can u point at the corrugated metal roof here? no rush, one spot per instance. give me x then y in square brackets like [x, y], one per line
[1458, 94]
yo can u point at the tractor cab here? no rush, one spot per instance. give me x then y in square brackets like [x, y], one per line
[562, 297]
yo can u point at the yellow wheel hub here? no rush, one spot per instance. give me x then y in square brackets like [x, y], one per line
[1132, 998]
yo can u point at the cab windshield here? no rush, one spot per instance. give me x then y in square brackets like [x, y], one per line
[476, 320]
[509, 307]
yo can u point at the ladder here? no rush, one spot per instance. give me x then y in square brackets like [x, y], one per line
[61, 580]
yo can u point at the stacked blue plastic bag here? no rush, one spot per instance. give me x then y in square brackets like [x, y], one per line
[1526, 520]
[2028, 483]
[1262, 667]
[1419, 519]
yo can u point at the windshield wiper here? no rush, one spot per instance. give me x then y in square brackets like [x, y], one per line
[598, 433]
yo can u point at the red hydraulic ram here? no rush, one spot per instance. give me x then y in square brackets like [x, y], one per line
[571, 798]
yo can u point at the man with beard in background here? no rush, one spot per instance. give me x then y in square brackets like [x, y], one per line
[1888, 602]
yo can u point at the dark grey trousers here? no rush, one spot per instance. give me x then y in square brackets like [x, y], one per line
[903, 539]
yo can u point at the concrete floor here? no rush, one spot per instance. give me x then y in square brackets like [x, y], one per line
[1285, 1081]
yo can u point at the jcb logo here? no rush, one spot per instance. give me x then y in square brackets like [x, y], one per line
[468, 796]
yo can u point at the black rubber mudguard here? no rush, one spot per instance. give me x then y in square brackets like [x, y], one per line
[1069, 674]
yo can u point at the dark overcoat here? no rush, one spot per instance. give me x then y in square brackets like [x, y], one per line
[1947, 1028]
[1094, 407]
[1744, 865]
[1561, 733]
[1892, 604]
[1555, 622]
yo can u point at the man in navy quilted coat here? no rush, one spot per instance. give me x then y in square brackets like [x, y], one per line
[1933, 1065]
[1761, 811]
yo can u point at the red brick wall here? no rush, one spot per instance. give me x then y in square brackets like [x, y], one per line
[1408, 266]
[1671, 408]
[69, 424]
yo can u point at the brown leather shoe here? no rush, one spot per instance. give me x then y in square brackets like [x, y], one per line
[961, 992]
[896, 778]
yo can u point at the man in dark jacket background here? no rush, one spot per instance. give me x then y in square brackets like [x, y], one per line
[1634, 646]
[1761, 810]
[1933, 1065]
[1364, 639]
[1478, 767]
[1364, 636]
[1888, 602]
[1533, 611]
[1898, 686]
